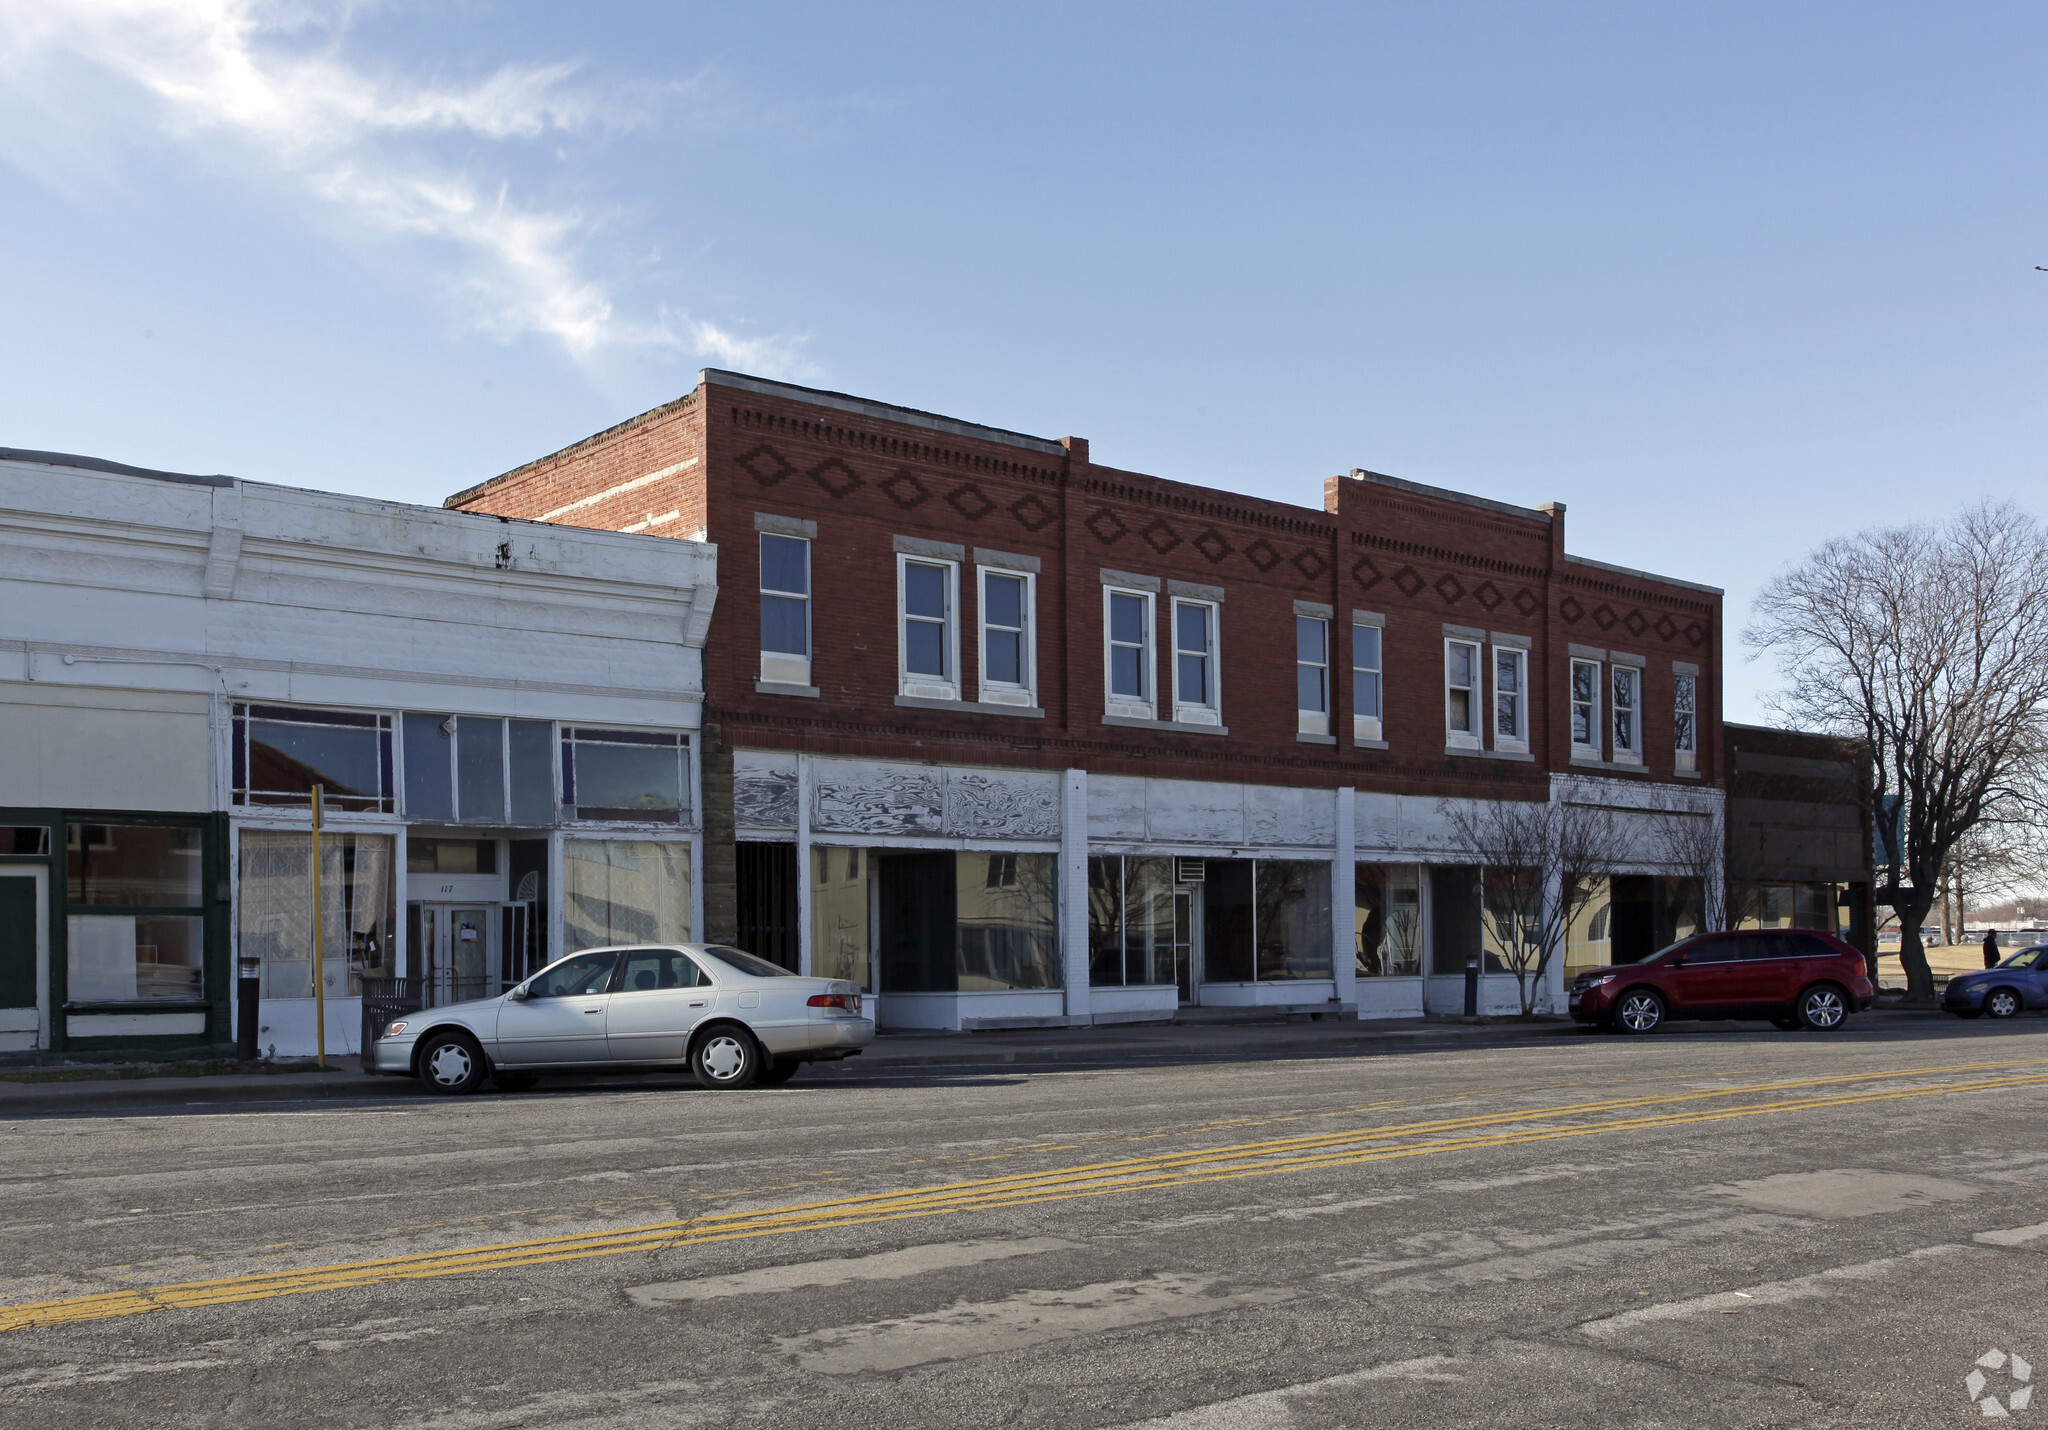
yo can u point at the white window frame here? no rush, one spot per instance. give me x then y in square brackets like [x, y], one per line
[1632, 753]
[1369, 727]
[1593, 720]
[1473, 737]
[1002, 692]
[1130, 707]
[1203, 707]
[1517, 738]
[923, 686]
[1312, 722]
[1685, 706]
[786, 667]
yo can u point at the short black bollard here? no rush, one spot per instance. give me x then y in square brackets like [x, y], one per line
[1471, 988]
[248, 1009]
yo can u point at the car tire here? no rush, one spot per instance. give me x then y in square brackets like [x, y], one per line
[515, 1081]
[1823, 1008]
[1638, 1011]
[2001, 1003]
[452, 1065]
[1790, 1025]
[777, 1073]
[725, 1058]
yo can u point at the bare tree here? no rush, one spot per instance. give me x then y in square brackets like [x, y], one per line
[1540, 864]
[1931, 645]
[1695, 846]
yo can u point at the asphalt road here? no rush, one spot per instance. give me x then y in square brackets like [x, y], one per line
[1712, 1228]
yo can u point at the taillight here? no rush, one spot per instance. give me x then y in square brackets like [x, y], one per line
[848, 1001]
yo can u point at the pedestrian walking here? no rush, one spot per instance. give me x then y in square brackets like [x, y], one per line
[1991, 948]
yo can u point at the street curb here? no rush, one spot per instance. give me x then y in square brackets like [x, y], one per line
[115, 1094]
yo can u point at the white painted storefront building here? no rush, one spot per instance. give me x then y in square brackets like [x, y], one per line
[836, 809]
[503, 715]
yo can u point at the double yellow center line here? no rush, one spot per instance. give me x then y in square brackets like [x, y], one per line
[1307, 1152]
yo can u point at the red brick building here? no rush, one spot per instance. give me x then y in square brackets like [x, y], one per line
[1011, 735]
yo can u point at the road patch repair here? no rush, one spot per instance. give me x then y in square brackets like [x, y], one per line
[1333, 1147]
[1028, 1318]
[839, 1271]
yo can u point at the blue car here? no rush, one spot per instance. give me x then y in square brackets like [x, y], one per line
[2021, 981]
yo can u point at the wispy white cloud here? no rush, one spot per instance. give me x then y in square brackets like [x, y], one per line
[269, 80]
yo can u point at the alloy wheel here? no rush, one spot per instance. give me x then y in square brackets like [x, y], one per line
[1640, 1012]
[2002, 1003]
[1823, 1008]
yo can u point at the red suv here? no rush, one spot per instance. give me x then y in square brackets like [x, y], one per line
[1795, 978]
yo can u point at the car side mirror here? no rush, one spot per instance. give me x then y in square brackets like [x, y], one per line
[520, 994]
[1678, 961]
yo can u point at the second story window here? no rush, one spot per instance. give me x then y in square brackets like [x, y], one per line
[1628, 727]
[1510, 698]
[1586, 709]
[785, 609]
[930, 662]
[1312, 675]
[1462, 693]
[1128, 617]
[1366, 667]
[1006, 649]
[1685, 729]
[1194, 663]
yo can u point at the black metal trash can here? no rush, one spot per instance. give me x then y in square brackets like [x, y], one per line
[385, 999]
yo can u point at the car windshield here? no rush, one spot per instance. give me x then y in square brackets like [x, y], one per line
[746, 962]
[2023, 959]
[1665, 954]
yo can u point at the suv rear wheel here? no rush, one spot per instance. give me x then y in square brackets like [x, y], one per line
[1823, 1008]
[1639, 1010]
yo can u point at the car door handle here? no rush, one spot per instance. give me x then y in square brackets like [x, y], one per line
[593, 1012]
[699, 1002]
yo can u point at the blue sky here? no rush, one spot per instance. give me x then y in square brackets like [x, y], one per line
[1726, 279]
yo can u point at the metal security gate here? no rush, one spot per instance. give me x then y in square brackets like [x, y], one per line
[768, 902]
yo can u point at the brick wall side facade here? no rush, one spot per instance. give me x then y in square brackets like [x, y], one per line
[666, 444]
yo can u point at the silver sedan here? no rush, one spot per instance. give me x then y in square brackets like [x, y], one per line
[733, 1019]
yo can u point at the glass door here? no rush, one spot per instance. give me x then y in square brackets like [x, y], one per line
[454, 953]
[24, 959]
[1185, 941]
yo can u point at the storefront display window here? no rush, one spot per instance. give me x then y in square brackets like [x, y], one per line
[1387, 912]
[274, 910]
[839, 914]
[966, 922]
[1008, 912]
[1293, 910]
[624, 891]
[153, 949]
[1131, 926]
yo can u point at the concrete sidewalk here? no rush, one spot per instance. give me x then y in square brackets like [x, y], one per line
[905, 1053]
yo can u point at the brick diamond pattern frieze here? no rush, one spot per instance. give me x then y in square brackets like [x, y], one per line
[764, 464]
[1105, 526]
[906, 491]
[835, 478]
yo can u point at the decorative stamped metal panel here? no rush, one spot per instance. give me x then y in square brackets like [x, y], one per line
[1116, 808]
[1291, 816]
[861, 798]
[1194, 812]
[1008, 806]
[763, 790]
